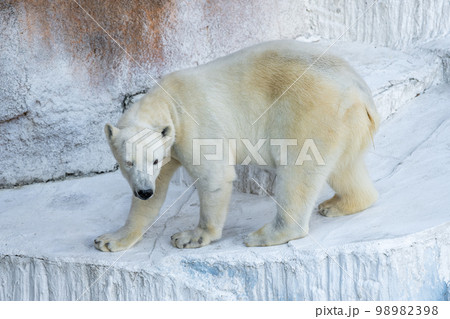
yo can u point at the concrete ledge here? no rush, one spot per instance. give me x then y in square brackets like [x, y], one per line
[409, 268]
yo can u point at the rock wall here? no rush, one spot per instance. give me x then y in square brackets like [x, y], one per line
[62, 77]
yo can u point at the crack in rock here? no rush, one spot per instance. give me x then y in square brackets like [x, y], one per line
[24, 114]
[130, 98]
[396, 167]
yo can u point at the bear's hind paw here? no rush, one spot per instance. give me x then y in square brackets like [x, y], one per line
[329, 209]
[268, 237]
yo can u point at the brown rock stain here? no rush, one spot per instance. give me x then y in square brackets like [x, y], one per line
[61, 27]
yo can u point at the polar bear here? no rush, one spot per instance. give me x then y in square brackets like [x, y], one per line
[275, 90]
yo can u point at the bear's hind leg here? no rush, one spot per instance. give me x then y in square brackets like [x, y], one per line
[354, 190]
[296, 194]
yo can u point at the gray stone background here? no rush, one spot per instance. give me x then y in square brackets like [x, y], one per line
[62, 78]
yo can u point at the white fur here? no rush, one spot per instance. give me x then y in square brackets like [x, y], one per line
[330, 104]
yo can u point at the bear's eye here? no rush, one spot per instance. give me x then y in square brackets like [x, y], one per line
[155, 162]
[129, 164]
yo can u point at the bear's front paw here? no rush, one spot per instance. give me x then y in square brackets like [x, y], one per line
[191, 239]
[112, 242]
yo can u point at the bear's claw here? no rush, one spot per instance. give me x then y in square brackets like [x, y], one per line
[190, 239]
[110, 243]
[328, 210]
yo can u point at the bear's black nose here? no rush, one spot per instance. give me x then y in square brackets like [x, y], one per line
[145, 194]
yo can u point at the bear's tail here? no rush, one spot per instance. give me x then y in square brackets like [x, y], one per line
[374, 118]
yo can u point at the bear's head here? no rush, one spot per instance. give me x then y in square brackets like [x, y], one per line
[141, 152]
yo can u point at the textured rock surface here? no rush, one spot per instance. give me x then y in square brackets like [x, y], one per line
[62, 77]
[397, 249]
[441, 48]
[412, 269]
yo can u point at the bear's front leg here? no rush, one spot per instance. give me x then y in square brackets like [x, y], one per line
[142, 214]
[214, 200]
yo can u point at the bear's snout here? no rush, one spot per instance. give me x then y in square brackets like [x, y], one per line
[145, 194]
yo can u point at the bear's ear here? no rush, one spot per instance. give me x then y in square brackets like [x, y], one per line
[110, 131]
[165, 131]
